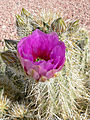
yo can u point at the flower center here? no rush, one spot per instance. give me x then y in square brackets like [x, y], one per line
[38, 59]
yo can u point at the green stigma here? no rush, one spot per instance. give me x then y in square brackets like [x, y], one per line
[38, 59]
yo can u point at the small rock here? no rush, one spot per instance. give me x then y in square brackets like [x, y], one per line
[3, 27]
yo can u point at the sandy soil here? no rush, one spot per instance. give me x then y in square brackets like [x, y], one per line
[72, 9]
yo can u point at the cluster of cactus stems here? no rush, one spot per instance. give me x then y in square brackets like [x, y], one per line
[63, 97]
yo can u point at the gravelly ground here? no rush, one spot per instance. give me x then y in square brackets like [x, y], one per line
[72, 9]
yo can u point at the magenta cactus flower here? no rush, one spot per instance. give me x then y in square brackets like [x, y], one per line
[41, 54]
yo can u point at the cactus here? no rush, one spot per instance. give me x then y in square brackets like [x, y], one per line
[63, 97]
